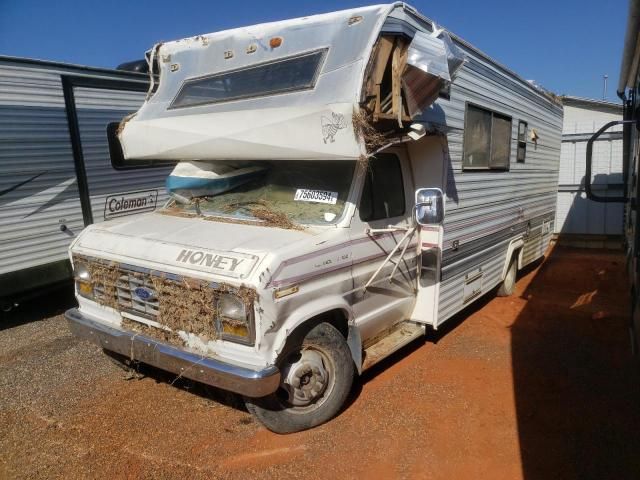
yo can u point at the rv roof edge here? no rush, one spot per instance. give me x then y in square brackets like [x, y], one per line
[629, 65]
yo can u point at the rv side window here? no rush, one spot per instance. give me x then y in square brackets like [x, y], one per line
[487, 139]
[280, 76]
[383, 192]
[522, 142]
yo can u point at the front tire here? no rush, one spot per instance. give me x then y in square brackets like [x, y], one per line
[317, 376]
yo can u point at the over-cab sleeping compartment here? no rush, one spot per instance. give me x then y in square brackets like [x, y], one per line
[333, 86]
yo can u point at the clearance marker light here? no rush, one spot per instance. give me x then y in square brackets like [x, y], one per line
[275, 42]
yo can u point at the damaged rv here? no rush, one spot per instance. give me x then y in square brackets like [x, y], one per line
[344, 181]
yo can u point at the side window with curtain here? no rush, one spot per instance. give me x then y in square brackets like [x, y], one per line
[383, 192]
[487, 140]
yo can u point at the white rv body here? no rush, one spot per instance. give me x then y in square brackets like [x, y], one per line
[378, 279]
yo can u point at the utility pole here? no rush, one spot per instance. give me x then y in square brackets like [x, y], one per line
[604, 89]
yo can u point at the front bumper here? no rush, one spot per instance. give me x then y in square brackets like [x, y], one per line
[242, 380]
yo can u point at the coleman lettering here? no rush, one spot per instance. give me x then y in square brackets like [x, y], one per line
[220, 262]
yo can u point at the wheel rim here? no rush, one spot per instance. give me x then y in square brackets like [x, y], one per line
[308, 379]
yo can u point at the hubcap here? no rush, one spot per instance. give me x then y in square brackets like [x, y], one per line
[306, 379]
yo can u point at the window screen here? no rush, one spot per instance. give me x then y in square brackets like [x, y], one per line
[487, 139]
[522, 142]
[284, 75]
[383, 192]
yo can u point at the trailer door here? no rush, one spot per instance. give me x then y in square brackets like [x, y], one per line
[108, 192]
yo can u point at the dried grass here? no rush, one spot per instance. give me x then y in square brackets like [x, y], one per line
[188, 306]
[264, 215]
[165, 336]
[272, 218]
[105, 275]
[363, 129]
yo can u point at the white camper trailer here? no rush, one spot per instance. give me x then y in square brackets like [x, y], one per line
[56, 176]
[344, 182]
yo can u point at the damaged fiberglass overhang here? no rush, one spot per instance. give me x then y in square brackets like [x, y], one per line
[332, 86]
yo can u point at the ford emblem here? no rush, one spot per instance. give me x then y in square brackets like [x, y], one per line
[143, 293]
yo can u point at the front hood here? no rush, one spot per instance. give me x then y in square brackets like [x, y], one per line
[165, 242]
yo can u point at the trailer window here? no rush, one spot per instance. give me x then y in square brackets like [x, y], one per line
[487, 139]
[522, 142]
[383, 192]
[280, 76]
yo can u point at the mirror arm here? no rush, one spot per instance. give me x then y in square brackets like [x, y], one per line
[391, 254]
[404, 250]
[390, 228]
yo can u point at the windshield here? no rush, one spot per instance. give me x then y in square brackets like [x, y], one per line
[304, 192]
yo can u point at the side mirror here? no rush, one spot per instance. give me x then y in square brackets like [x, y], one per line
[429, 209]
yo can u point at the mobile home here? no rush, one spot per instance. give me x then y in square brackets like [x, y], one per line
[345, 181]
[56, 175]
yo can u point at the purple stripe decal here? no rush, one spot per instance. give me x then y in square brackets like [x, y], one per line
[332, 248]
[310, 275]
[490, 230]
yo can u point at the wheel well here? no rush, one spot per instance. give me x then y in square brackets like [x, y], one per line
[335, 317]
[516, 256]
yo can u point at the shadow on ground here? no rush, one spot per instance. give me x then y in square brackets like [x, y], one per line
[576, 385]
[40, 307]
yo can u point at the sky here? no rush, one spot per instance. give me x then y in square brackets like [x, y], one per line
[564, 45]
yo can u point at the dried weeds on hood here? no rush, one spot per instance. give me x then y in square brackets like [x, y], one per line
[264, 214]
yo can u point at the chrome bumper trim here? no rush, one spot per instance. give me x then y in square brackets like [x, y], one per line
[252, 383]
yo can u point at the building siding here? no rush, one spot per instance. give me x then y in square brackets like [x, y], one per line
[577, 215]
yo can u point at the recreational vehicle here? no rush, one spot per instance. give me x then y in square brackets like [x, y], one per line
[344, 181]
[56, 176]
[629, 93]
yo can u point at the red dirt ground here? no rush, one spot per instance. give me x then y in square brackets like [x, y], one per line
[538, 385]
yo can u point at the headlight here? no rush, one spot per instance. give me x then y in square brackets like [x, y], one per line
[82, 276]
[234, 319]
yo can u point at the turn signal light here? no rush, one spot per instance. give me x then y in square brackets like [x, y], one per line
[85, 289]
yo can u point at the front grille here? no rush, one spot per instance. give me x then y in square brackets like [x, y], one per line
[121, 293]
[129, 300]
[177, 302]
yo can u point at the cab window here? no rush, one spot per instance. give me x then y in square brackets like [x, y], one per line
[383, 192]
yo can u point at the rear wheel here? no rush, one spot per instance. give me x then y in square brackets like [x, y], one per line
[316, 379]
[508, 285]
